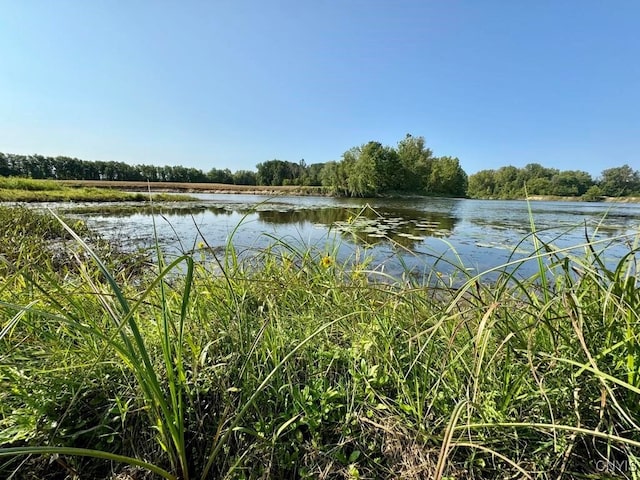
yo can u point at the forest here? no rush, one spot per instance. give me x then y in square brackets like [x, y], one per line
[534, 179]
[371, 169]
[368, 170]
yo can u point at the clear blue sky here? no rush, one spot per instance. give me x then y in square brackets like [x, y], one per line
[230, 83]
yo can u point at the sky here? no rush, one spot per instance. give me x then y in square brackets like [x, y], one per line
[231, 83]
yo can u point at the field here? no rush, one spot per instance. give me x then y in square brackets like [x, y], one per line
[289, 364]
[14, 189]
[195, 187]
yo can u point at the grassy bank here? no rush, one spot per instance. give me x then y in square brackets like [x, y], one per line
[30, 190]
[557, 198]
[291, 365]
[193, 187]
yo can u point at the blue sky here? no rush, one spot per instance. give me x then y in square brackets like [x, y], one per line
[230, 83]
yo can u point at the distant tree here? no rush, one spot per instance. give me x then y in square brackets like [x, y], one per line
[244, 177]
[275, 172]
[361, 177]
[534, 179]
[372, 169]
[482, 184]
[4, 166]
[447, 178]
[220, 176]
[619, 181]
[334, 176]
[571, 183]
[535, 170]
[507, 183]
[314, 172]
[539, 186]
[416, 161]
[149, 173]
[594, 194]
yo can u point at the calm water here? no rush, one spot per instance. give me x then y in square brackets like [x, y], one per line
[419, 232]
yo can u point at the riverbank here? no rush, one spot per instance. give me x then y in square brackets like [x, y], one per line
[178, 187]
[30, 190]
[185, 187]
[291, 364]
[554, 198]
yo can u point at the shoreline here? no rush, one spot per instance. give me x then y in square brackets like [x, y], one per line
[187, 187]
[552, 198]
[293, 190]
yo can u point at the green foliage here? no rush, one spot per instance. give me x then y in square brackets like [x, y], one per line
[620, 181]
[29, 190]
[282, 173]
[244, 177]
[593, 194]
[416, 162]
[534, 179]
[66, 168]
[291, 364]
[373, 169]
[447, 178]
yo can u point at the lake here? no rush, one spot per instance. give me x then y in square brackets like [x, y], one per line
[397, 234]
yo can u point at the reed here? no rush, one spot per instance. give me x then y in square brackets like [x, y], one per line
[291, 363]
[14, 189]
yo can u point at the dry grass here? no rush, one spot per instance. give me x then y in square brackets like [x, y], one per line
[195, 187]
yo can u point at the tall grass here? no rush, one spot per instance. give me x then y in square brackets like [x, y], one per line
[291, 363]
[15, 189]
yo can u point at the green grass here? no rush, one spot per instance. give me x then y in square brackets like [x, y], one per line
[290, 364]
[14, 189]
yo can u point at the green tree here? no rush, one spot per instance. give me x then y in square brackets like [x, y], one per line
[539, 186]
[571, 183]
[244, 177]
[594, 194]
[415, 161]
[619, 181]
[373, 169]
[447, 178]
[482, 184]
[314, 174]
[334, 175]
[4, 166]
[359, 170]
[216, 175]
[507, 184]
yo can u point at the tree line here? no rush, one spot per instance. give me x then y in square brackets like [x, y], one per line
[367, 170]
[67, 168]
[534, 179]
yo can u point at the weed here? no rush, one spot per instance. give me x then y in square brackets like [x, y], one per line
[286, 364]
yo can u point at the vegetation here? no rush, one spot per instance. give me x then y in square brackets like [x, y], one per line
[290, 364]
[534, 179]
[374, 169]
[368, 170]
[66, 168]
[29, 190]
[282, 173]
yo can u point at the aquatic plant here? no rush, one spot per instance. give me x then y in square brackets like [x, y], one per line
[292, 363]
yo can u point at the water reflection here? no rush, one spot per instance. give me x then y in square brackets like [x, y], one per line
[128, 210]
[404, 226]
[480, 234]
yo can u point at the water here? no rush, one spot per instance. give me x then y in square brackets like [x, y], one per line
[418, 234]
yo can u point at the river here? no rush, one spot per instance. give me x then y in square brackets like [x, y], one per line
[416, 235]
